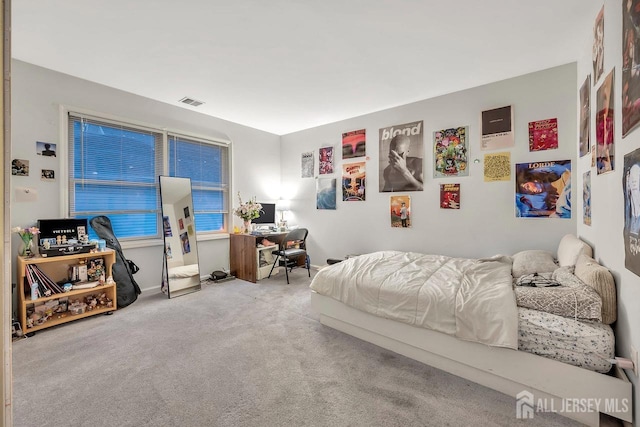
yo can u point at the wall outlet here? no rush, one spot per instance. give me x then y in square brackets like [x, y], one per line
[634, 359]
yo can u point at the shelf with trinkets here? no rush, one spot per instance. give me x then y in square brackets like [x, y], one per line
[54, 301]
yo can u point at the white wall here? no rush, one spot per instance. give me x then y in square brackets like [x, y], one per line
[486, 223]
[607, 199]
[37, 94]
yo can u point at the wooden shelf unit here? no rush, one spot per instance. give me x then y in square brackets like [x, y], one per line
[57, 269]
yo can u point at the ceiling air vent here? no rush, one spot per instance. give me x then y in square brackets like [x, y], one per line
[191, 101]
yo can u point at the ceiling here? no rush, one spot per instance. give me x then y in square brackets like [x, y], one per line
[283, 66]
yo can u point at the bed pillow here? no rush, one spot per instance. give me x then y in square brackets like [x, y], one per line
[532, 261]
[576, 302]
[600, 279]
[570, 248]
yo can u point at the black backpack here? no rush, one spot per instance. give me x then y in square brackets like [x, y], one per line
[123, 269]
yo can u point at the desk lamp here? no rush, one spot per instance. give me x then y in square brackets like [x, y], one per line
[282, 206]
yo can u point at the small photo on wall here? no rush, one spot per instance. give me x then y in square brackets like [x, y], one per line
[450, 196]
[326, 193]
[186, 212]
[47, 175]
[450, 152]
[46, 149]
[181, 224]
[190, 229]
[326, 161]
[354, 144]
[543, 135]
[400, 211]
[586, 198]
[605, 144]
[20, 167]
[184, 240]
[543, 189]
[167, 251]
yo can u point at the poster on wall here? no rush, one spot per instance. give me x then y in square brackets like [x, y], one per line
[400, 211]
[497, 167]
[450, 196]
[631, 230]
[354, 144]
[586, 198]
[585, 117]
[604, 126]
[326, 193]
[47, 175]
[450, 152]
[167, 250]
[326, 161]
[166, 225]
[598, 46]
[20, 167]
[543, 189]
[497, 128]
[307, 165]
[630, 65]
[543, 135]
[353, 182]
[47, 149]
[401, 157]
[184, 242]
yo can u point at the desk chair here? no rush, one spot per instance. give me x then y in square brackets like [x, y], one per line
[290, 255]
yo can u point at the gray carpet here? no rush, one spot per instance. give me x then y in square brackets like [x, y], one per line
[236, 354]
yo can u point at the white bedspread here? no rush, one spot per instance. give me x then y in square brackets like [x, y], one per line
[468, 298]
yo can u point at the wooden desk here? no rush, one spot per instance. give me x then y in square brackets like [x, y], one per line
[243, 253]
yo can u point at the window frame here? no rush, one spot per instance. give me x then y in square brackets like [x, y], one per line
[65, 167]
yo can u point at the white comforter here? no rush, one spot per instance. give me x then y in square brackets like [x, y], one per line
[468, 298]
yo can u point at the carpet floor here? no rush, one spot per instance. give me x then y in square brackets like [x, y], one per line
[236, 354]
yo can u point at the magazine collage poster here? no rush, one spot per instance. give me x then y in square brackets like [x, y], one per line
[307, 165]
[450, 152]
[543, 135]
[401, 157]
[604, 126]
[630, 65]
[598, 46]
[325, 161]
[586, 198]
[631, 231]
[497, 128]
[543, 189]
[585, 117]
[400, 211]
[353, 182]
[450, 196]
[326, 193]
[497, 167]
[354, 144]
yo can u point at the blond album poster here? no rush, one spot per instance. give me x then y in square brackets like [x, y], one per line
[604, 126]
[450, 196]
[585, 117]
[307, 165]
[586, 198]
[353, 182]
[326, 193]
[354, 144]
[631, 231]
[401, 211]
[543, 189]
[450, 152]
[543, 135]
[497, 128]
[598, 46]
[497, 167]
[630, 65]
[401, 157]
[325, 161]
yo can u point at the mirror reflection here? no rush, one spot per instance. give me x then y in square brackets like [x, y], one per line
[181, 273]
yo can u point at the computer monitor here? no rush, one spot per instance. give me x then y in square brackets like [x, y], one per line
[268, 214]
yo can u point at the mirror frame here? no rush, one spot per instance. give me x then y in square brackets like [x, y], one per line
[178, 229]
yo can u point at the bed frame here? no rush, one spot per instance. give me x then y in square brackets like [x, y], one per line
[505, 370]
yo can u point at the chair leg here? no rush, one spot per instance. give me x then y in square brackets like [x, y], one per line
[307, 261]
[274, 265]
[285, 268]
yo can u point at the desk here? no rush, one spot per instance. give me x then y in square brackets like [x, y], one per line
[243, 253]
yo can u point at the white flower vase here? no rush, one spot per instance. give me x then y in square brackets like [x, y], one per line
[26, 248]
[247, 226]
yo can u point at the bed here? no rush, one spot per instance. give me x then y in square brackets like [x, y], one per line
[480, 319]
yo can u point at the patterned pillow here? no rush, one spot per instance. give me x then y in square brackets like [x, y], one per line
[571, 299]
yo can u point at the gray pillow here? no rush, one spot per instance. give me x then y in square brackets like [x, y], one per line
[533, 261]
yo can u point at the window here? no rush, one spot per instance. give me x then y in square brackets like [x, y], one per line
[114, 169]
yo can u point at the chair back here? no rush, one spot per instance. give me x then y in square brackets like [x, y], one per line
[299, 234]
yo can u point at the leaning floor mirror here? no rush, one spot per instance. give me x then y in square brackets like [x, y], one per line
[180, 272]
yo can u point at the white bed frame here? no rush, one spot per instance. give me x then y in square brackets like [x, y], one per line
[501, 369]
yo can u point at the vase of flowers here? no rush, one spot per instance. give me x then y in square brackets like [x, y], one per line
[247, 211]
[26, 235]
